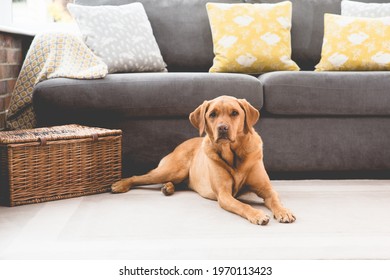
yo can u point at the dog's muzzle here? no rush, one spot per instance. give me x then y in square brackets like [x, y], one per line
[223, 132]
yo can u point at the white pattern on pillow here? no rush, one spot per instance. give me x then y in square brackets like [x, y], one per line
[360, 9]
[121, 35]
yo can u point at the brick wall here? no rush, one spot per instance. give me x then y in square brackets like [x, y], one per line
[10, 64]
[12, 51]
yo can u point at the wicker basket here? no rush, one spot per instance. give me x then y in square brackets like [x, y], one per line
[59, 162]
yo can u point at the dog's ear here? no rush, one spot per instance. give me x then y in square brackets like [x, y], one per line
[198, 119]
[251, 115]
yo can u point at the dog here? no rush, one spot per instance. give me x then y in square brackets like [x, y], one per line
[225, 163]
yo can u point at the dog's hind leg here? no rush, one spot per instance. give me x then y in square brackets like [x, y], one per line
[173, 169]
[166, 174]
[168, 188]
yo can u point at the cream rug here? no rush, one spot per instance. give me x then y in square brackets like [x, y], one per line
[345, 219]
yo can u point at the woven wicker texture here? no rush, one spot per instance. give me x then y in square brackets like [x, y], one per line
[63, 132]
[73, 162]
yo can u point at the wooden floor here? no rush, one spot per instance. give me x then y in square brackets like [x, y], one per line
[335, 220]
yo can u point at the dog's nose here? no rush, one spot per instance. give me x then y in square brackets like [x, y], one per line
[223, 128]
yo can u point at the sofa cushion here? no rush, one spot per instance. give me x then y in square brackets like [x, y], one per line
[121, 36]
[251, 38]
[370, 10]
[140, 95]
[355, 44]
[308, 27]
[327, 93]
[181, 28]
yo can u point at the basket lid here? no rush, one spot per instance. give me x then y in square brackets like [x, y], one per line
[63, 132]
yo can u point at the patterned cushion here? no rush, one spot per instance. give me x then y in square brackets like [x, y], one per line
[355, 44]
[359, 9]
[251, 38]
[121, 35]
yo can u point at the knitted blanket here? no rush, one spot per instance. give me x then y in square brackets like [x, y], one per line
[51, 55]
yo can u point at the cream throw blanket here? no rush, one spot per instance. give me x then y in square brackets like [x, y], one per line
[51, 55]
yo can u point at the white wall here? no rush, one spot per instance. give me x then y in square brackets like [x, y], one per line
[5, 12]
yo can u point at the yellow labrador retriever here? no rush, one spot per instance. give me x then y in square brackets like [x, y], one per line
[225, 163]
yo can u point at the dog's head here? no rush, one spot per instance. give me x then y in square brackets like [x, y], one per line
[224, 118]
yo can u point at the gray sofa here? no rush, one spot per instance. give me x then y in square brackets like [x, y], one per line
[313, 124]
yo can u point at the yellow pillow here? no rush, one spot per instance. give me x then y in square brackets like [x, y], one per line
[251, 38]
[355, 44]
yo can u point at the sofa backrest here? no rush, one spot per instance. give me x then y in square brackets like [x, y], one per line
[182, 29]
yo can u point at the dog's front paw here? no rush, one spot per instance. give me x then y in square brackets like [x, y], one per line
[284, 215]
[258, 218]
[120, 186]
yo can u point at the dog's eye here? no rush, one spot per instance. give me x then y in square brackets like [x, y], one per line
[234, 113]
[213, 115]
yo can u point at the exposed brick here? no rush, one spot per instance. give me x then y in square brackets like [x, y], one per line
[7, 100]
[15, 71]
[2, 40]
[10, 85]
[9, 71]
[10, 41]
[11, 48]
[2, 103]
[2, 120]
[3, 87]
[3, 55]
[14, 56]
[7, 86]
[3, 70]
